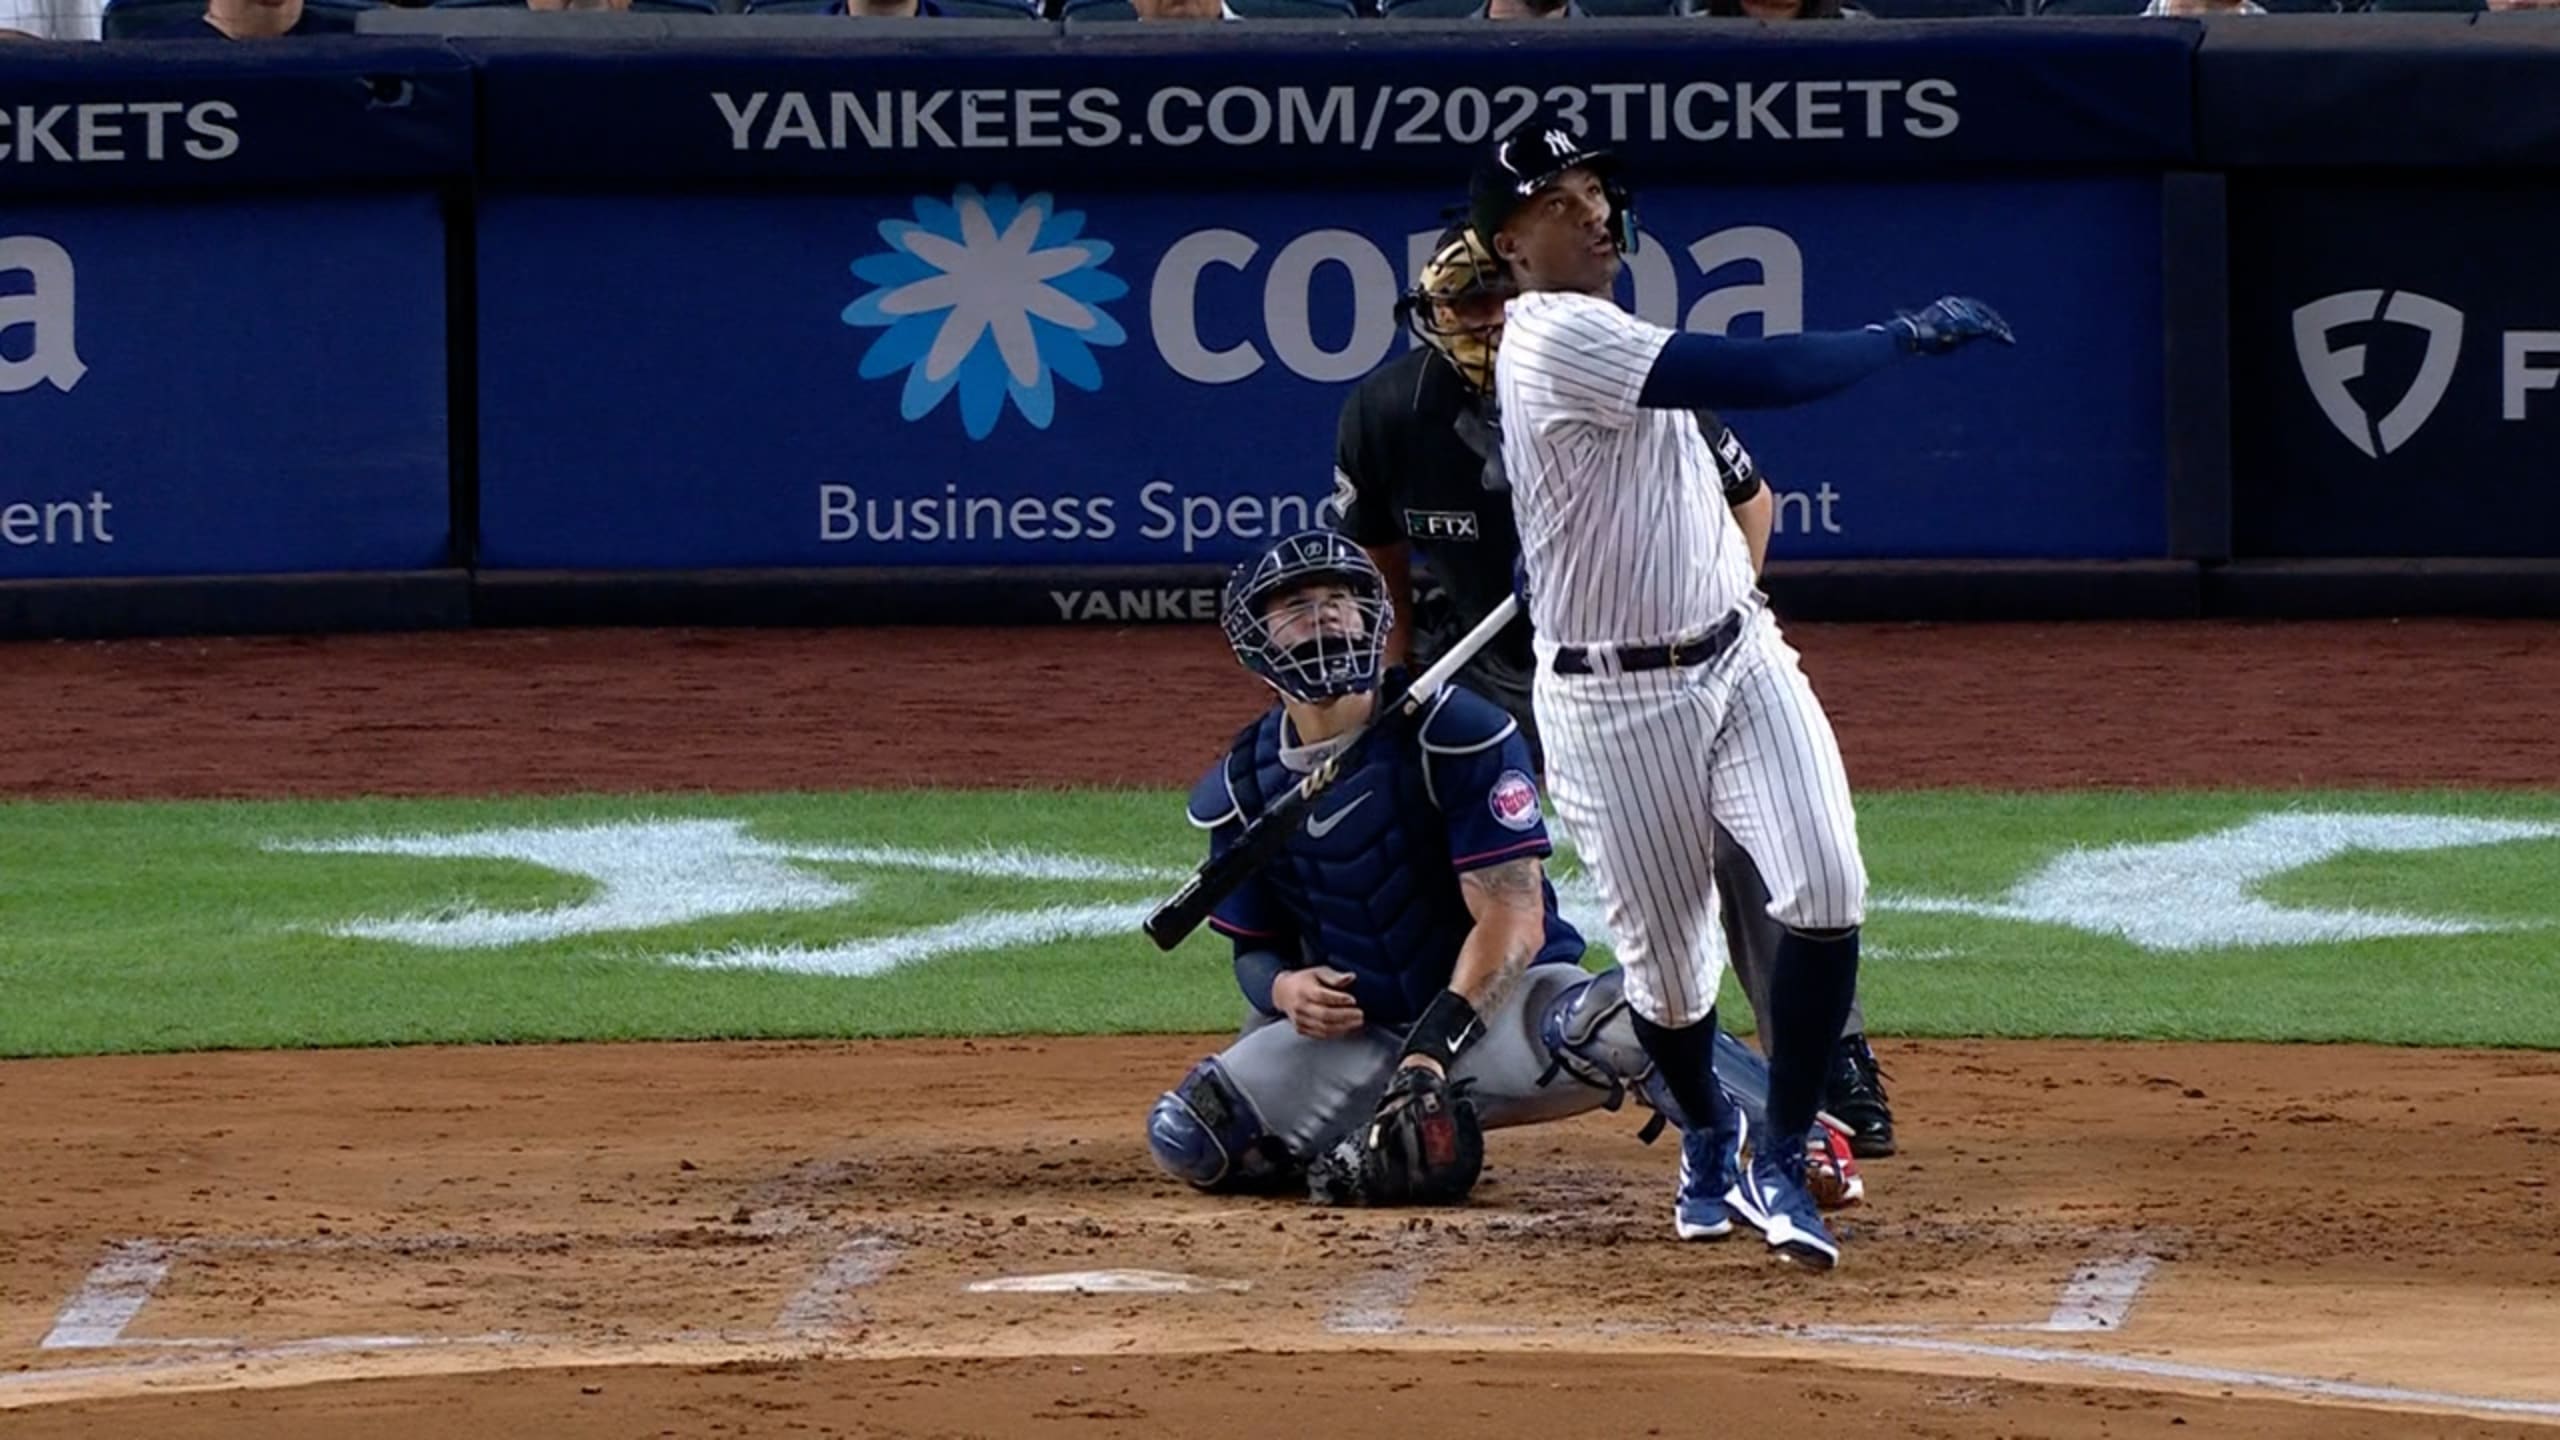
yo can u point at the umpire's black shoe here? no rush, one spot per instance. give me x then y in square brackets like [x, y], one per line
[1855, 1097]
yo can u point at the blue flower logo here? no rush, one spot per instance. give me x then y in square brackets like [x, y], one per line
[989, 296]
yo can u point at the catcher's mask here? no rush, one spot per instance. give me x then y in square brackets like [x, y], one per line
[1534, 157]
[1456, 306]
[1310, 615]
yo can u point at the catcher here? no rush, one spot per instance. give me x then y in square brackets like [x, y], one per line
[1409, 981]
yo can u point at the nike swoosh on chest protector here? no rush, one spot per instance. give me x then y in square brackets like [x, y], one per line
[1321, 826]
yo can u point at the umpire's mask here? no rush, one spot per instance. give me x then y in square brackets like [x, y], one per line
[1456, 305]
[1310, 615]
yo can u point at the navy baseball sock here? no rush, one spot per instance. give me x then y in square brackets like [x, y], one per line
[1686, 1057]
[1812, 984]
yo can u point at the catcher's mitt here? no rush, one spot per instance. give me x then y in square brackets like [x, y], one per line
[1425, 1146]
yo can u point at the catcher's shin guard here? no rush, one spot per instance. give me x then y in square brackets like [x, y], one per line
[1590, 1034]
[1206, 1132]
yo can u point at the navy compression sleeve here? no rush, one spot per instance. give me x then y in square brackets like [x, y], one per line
[1257, 970]
[1712, 371]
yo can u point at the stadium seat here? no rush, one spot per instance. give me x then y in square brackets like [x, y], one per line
[1937, 9]
[2135, 7]
[1602, 9]
[638, 7]
[141, 19]
[953, 9]
[1088, 10]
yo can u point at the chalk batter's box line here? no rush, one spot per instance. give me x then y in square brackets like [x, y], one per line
[117, 1289]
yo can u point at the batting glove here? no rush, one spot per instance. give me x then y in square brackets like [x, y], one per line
[1946, 325]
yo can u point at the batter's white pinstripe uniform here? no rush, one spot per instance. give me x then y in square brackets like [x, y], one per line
[1627, 540]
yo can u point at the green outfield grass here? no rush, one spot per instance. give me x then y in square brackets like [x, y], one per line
[136, 927]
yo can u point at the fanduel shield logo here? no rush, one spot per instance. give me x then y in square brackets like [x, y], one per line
[2327, 370]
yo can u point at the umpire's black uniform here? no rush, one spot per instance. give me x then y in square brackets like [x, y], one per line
[1417, 462]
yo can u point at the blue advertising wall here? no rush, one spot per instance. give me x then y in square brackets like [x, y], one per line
[266, 397]
[994, 377]
[223, 340]
[1026, 312]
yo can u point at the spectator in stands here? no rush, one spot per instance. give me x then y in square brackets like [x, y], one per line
[1184, 10]
[2524, 4]
[891, 9]
[1782, 9]
[2204, 7]
[1529, 10]
[249, 20]
[49, 19]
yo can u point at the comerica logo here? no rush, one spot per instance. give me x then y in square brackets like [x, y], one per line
[39, 344]
[2525, 363]
[989, 295]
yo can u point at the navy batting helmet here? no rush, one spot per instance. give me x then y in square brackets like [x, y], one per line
[1309, 647]
[1530, 159]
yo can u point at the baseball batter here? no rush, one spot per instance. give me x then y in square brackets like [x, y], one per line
[1404, 938]
[1668, 698]
[1418, 473]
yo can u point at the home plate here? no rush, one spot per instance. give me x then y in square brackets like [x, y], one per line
[1105, 1282]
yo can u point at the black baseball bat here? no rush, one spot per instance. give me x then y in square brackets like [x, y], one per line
[1173, 921]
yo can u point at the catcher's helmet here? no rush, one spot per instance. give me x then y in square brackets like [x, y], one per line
[1530, 159]
[1325, 655]
[1461, 268]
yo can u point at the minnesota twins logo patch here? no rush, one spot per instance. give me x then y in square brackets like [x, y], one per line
[1514, 801]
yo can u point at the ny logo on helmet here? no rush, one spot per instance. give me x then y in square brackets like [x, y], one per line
[1559, 144]
[2328, 370]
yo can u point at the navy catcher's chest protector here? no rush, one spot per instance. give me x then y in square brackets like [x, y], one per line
[1367, 876]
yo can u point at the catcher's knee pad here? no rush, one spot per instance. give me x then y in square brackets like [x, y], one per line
[1590, 1035]
[1206, 1132]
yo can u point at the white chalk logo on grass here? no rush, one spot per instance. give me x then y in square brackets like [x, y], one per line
[654, 874]
[646, 875]
[2199, 893]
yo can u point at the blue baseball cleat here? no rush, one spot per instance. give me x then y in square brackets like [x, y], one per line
[1773, 1197]
[1707, 1173]
[1710, 1177]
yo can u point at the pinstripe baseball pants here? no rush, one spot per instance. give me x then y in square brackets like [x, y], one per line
[1643, 766]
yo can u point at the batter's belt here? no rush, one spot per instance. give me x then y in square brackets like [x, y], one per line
[1699, 649]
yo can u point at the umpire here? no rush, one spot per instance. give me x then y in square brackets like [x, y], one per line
[1418, 474]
